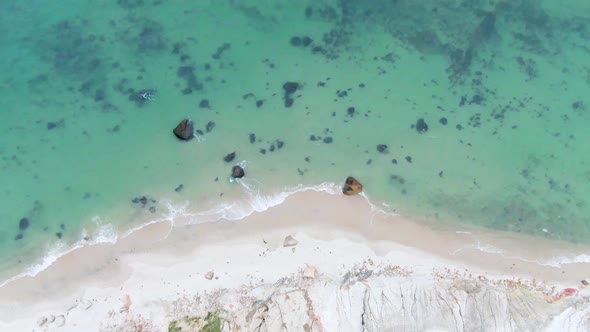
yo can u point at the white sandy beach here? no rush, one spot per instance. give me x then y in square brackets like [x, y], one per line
[352, 269]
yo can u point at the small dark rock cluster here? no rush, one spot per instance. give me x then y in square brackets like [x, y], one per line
[144, 201]
[289, 89]
[187, 73]
[300, 41]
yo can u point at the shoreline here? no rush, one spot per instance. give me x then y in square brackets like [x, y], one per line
[250, 202]
[323, 220]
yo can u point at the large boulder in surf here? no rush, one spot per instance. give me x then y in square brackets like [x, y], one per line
[237, 172]
[184, 130]
[351, 186]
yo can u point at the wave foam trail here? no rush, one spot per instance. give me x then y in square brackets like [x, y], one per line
[489, 248]
[256, 202]
[386, 209]
[174, 211]
[105, 233]
[563, 260]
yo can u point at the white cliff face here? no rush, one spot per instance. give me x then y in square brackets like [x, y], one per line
[391, 299]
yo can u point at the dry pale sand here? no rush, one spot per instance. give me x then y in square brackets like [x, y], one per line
[156, 275]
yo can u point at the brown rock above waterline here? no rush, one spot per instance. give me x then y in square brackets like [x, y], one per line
[184, 130]
[351, 186]
[237, 172]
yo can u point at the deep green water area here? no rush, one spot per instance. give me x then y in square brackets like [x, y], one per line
[454, 112]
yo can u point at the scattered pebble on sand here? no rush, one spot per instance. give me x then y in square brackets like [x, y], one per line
[289, 241]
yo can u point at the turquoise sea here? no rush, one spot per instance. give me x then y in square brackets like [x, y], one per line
[471, 112]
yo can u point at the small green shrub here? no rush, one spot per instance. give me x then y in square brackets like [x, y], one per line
[172, 327]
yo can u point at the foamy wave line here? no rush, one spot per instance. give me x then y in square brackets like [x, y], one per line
[487, 248]
[563, 260]
[556, 262]
[106, 233]
[383, 209]
[256, 202]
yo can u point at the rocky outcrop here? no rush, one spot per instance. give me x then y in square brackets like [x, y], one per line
[374, 297]
[351, 186]
[184, 130]
[237, 172]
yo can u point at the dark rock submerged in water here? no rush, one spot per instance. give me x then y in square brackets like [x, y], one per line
[237, 172]
[143, 200]
[229, 157]
[421, 126]
[290, 87]
[55, 124]
[382, 148]
[204, 103]
[184, 130]
[351, 186]
[210, 125]
[296, 41]
[23, 224]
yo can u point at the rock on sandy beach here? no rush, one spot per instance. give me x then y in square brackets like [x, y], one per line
[351, 186]
[289, 241]
[209, 275]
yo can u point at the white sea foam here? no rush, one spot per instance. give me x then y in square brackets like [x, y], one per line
[489, 248]
[563, 260]
[255, 202]
[385, 209]
[106, 233]
[483, 247]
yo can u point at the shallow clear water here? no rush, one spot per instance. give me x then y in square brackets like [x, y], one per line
[501, 86]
